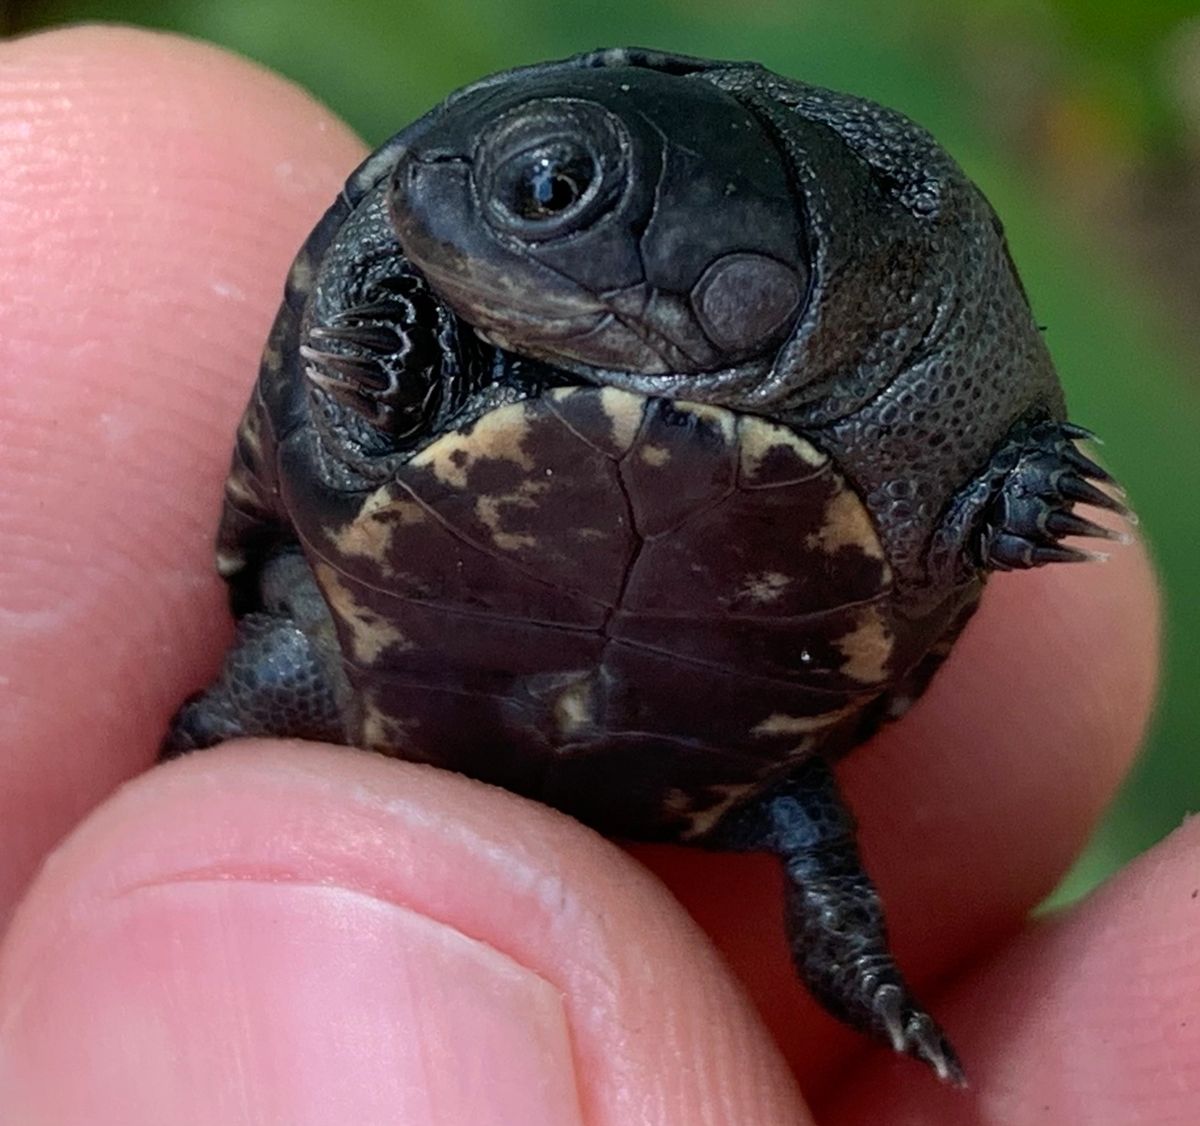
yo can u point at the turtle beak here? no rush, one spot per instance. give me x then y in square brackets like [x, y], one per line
[429, 199]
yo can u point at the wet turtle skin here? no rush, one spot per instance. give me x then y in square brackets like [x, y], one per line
[637, 433]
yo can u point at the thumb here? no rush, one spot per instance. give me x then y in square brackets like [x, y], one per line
[293, 934]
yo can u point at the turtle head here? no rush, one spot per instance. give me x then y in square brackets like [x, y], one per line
[616, 218]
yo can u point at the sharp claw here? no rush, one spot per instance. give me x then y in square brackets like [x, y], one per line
[1060, 554]
[345, 369]
[933, 1048]
[1068, 524]
[916, 1034]
[1077, 489]
[1033, 509]
[377, 310]
[341, 390]
[1080, 433]
[1087, 466]
[888, 1006]
[370, 337]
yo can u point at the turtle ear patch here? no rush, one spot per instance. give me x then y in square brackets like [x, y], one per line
[745, 300]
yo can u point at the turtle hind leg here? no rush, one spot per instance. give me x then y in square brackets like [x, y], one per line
[272, 683]
[281, 677]
[835, 924]
[1033, 510]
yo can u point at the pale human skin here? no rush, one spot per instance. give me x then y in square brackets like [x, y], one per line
[286, 933]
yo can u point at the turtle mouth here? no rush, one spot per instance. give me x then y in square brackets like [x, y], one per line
[581, 329]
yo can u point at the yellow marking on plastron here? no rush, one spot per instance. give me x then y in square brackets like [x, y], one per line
[490, 511]
[370, 633]
[573, 707]
[300, 276]
[759, 437]
[779, 723]
[388, 735]
[623, 410]
[248, 433]
[657, 456]
[846, 523]
[724, 420]
[239, 489]
[765, 587]
[801, 750]
[272, 358]
[678, 802]
[369, 534]
[498, 436]
[867, 648]
[726, 797]
[229, 563]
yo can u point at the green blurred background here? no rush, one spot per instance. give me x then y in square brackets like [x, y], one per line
[1080, 118]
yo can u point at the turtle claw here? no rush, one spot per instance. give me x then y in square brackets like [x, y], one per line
[915, 1033]
[1069, 524]
[331, 371]
[835, 922]
[1071, 486]
[1080, 433]
[378, 358]
[1033, 510]
[364, 337]
[1090, 468]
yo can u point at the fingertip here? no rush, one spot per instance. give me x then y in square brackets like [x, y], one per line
[322, 913]
[154, 191]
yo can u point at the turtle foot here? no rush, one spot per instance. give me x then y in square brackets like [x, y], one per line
[1034, 510]
[915, 1033]
[835, 921]
[378, 358]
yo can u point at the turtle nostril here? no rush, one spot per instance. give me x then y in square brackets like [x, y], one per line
[439, 156]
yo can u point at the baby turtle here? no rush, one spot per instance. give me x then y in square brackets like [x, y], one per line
[637, 433]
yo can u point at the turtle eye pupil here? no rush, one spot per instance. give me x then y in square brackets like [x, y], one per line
[547, 185]
[549, 190]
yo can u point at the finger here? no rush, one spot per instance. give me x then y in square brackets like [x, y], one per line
[297, 934]
[974, 804]
[1087, 1017]
[153, 193]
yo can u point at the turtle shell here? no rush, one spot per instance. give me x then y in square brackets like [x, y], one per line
[632, 608]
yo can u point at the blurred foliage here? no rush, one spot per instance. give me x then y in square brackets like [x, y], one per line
[967, 72]
[1121, 46]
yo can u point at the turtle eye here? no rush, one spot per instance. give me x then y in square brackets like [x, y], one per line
[550, 168]
[545, 183]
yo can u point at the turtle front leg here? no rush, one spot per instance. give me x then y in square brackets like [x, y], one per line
[1033, 509]
[834, 918]
[1016, 514]
[282, 676]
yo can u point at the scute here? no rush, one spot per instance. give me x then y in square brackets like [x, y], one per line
[578, 574]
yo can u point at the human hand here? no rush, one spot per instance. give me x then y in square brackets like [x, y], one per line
[285, 933]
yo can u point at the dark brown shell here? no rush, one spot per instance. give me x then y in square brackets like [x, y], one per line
[621, 605]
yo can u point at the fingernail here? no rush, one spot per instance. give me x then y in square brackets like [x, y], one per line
[240, 1002]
